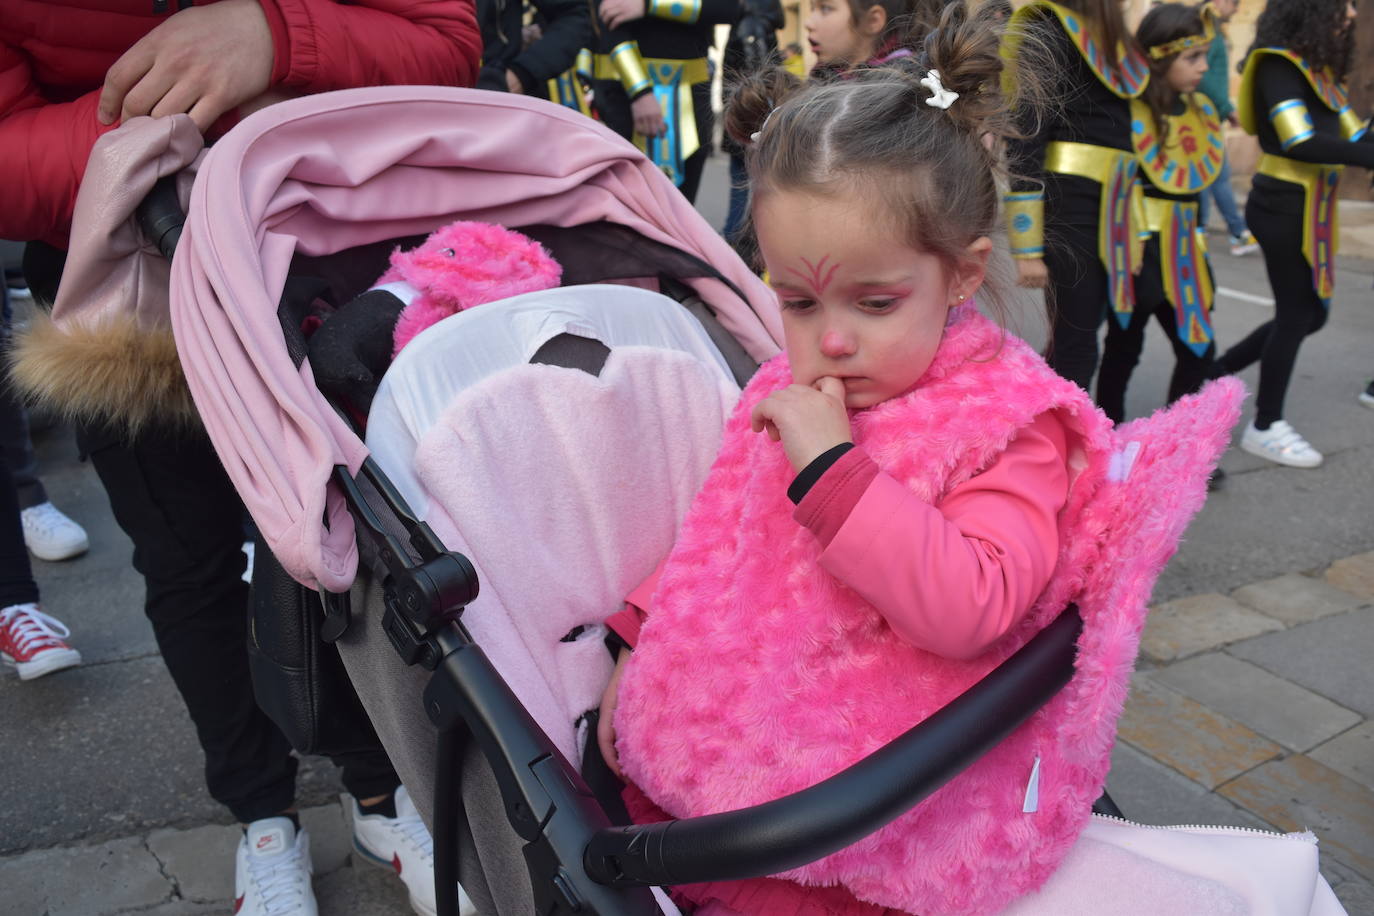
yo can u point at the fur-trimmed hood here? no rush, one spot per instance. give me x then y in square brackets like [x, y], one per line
[106, 352]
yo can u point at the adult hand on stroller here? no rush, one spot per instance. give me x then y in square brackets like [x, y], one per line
[809, 420]
[648, 115]
[605, 725]
[1032, 273]
[618, 12]
[203, 61]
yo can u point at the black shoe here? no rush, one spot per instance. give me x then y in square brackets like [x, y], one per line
[1216, 481]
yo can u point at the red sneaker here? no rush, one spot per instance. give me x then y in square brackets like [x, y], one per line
[32, 642]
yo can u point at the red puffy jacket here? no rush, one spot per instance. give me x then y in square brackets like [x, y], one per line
[54, 55]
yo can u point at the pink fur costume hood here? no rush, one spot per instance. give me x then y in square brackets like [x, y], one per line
[758, 674]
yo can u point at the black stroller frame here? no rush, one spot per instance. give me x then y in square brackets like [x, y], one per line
[578, 860]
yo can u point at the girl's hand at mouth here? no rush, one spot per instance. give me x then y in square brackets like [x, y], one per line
[808, 420]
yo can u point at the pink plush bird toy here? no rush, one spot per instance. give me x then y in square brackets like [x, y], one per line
[461, 265]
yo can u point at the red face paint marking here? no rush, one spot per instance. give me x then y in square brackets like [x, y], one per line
[818, 282]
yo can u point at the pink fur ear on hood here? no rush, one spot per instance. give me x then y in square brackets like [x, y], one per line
[465, 264]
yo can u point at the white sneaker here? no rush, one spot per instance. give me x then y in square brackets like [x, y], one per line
[1281, 444]
[50, 535]
[272, 871]
[403, 843]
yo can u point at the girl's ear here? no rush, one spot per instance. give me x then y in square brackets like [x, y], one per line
[971, 269]
[873, 21]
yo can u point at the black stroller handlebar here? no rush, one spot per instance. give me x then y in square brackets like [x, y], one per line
[806, 825]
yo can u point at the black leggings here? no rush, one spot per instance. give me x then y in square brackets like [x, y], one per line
[1297, 309]
[1122, 350]
[1077, 293]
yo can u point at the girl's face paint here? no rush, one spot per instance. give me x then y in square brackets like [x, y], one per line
[858, 303]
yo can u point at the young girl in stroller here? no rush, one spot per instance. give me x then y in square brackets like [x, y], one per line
[898, 499]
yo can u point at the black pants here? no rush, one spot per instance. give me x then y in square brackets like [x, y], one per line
[171, 496]
[14, 423]
[1121, 352]
[1077, 293]
[16, 575]
[1298, 311]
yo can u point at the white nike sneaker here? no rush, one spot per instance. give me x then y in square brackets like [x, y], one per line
[403, 844]
[272, 871]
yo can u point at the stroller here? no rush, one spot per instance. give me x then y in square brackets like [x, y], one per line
[479, 691]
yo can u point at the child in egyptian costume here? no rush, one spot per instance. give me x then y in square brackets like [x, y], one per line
[1176, 132]
[1293, 98]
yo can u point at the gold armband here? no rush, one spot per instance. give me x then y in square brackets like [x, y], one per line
[684, 11]
[630, 66]
[582, 66]
[1292, 122]
[1353, 127]
[1026, 223]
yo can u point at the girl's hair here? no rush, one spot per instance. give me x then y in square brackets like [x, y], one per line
[1314, 29]
[934, 173]
[1106, 22]
[1161, 25]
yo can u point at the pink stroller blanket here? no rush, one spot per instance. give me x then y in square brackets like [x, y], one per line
[321, 174]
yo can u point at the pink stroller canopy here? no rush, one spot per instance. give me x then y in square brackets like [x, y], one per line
[326, 173]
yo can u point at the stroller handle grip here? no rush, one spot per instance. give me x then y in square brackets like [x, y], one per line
[160, 216]
[807, 825]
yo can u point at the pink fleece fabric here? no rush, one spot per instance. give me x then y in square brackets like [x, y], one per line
[464, 264]
[757, 675]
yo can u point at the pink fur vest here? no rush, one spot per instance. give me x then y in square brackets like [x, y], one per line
[758, 674]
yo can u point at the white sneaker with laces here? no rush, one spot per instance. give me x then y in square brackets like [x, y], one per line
[403, 844]
[34, 643]
[50, 535]
[272, 871]
[1281, 444]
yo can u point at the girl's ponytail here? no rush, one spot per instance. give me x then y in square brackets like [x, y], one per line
[964, 48]
[753, 100]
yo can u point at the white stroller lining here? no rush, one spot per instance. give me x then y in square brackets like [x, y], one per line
[564, 489]
[499, 335]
